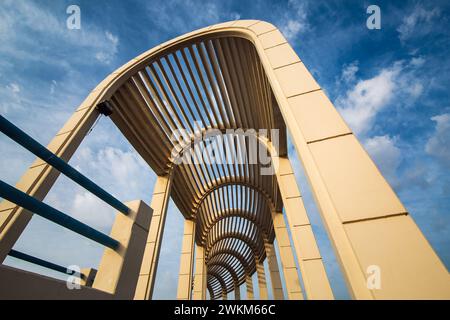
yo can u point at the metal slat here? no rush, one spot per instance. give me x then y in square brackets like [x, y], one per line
[220, 82]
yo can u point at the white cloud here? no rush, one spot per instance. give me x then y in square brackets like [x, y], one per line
[392, 87]
[415, 89]
[401, 83]
[88, 208]
[24, 21]
[295, 21]
[385, 154]
[195, 14]
[417, 23]
[53, 85]
[108, 56]
[11, 99]
[362, 102]
[235, 16]
[417, 61]
[14, 87]
[114, 40]
[349, 72]
[123, 173]
[439, 144]
[291, 29]
[395, 86]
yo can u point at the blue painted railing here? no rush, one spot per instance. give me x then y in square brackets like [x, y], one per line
[44, 210]
[36, 206]
[42, 152]
[45, 264]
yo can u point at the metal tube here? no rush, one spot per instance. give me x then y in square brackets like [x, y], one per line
[29, 203]
[42, 152]
[43, 263]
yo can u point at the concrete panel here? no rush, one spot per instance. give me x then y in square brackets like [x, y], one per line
[404, 257]
[281, 55]
[271, 39]
[355, 185]
[317, 117]
[295, 79]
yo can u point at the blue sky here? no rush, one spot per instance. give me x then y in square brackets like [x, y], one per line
[391, 86]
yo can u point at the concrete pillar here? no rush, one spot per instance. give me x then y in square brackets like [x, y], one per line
[118, 271]
[262, 283]
[159, 204]
[291, 279]
[249, 287]
[369, 227]
[186, 261]
[40, 177]
[310, 261]
[224, 295]
[199, 292]
[237, 292]
[277, 287]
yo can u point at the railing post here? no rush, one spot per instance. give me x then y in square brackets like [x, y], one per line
[119, 269]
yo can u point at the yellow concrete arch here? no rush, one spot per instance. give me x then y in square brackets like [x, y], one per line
[253, 79]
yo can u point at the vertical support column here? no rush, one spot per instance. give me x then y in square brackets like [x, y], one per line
[291, 279]
[186, 262]
[40, 177]
[249, 287]
[368, 225]
[199, 292]
[159, 204]
[310, 261]
[237, 292]
[118, 271]
[277, 287]
[224, 295]
[262, 284]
